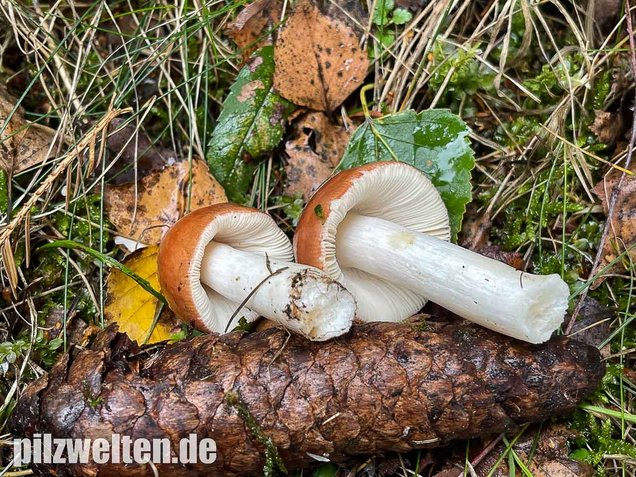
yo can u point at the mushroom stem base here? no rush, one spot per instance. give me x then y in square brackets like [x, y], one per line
[301, 298]
[485, 291]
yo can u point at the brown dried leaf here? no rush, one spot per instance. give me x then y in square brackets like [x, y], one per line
[305, 170]
[314, 151]
[248, 29]
[78, 332]
[318, 59]
[513, 259]
[561, 468]
[549, 446]
[552, 451]
[592, 325]
[162, 198]
[23, 144]
[475, 228]
[608, 127]
[622, 233]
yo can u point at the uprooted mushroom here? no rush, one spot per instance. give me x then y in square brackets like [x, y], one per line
[386, 387]
[226, 261]
[382, 231]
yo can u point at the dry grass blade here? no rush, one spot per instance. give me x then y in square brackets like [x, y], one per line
[615, 192]
[61, 168]
[8, 262]
[527, 76]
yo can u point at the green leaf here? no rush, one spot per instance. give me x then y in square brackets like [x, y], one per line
[434, 141]
[326, 470]
[292, 206]
[106, 260]
[381, 11]
[386, 38]
[401, 16]
[249, 127]
[582, 455]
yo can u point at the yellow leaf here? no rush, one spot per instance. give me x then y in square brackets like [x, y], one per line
[132, 307]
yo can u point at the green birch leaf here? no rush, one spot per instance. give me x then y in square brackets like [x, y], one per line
[381, 11]
[401, 16]
[434, 141]
[250, 126]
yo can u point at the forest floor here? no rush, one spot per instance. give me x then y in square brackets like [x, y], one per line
[122, 91]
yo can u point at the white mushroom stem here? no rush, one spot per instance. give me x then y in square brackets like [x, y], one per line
[299, 297]
[482, 290]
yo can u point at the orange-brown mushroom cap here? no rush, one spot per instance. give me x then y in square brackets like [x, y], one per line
[392, 191]
[182, 248]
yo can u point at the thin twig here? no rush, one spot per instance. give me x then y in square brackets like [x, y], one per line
[251, 294]
[484, 452]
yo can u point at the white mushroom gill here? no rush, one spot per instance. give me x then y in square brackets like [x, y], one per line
[485, 291]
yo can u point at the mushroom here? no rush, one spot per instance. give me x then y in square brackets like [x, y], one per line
[382, 231]
[226, 258]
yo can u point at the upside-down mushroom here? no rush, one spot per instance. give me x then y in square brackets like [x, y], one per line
[382, 231]
[220, 258]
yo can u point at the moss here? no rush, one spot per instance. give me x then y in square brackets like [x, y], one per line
[601, 89]
[554, 80]
[292, 206]
[537, 207]
[42, 351]
[244, 325]
[325, 470]
[50, 266]
[597, 439]
[84, 225]
[519, 131]
[517, 31]
[467, 77]
[273, 461]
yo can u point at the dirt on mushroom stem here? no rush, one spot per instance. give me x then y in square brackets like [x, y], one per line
[385, 387]
[303, 299]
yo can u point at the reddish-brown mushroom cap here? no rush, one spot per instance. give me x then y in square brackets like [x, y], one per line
[393, 191]
[182, 248]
